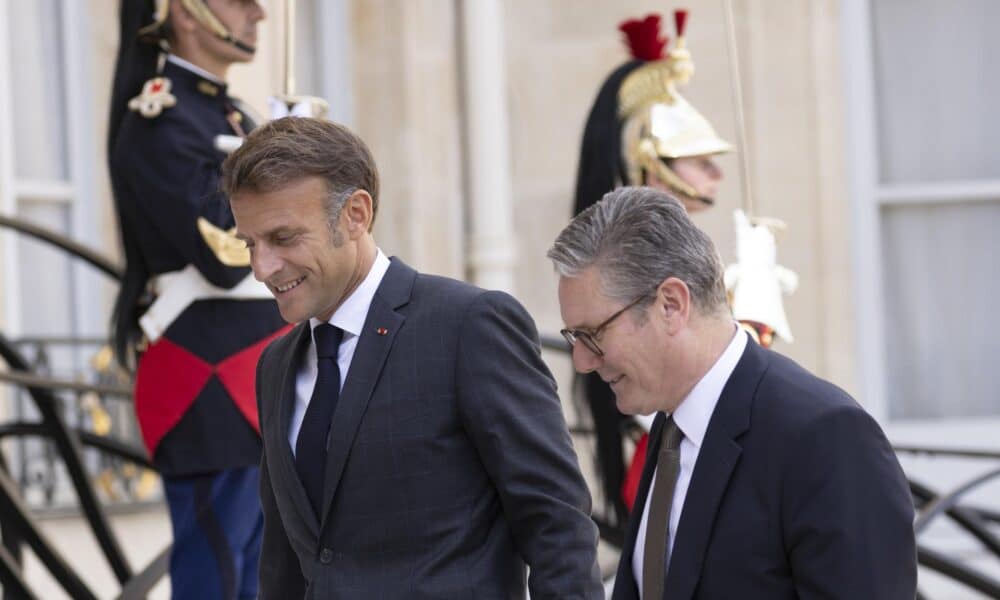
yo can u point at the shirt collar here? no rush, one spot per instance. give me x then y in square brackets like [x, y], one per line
[188, 66]
[695, 411]
[351, 314]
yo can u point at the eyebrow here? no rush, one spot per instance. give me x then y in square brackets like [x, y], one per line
[271, 233]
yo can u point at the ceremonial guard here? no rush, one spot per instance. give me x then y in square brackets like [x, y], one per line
[642, 131]
[189, 317]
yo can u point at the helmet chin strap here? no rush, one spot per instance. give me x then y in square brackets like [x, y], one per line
[650, 163]
[242, 46]
[204, 15]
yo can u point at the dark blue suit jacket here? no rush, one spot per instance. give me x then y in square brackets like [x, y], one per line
[449, 463]
[796, 493]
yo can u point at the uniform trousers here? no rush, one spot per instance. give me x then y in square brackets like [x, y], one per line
[217, 526]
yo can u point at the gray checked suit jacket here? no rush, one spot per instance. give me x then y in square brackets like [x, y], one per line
[449, 463]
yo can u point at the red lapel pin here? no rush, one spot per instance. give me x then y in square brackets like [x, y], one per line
[382, 331]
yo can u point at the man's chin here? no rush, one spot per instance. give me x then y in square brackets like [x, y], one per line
[291, 315]
[625, 408]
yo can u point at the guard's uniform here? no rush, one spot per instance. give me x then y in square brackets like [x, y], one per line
[194, 394]
[194, 385]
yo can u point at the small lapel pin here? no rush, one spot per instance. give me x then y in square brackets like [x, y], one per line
[382, 331]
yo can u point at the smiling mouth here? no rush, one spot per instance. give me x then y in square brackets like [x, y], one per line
[281, 289]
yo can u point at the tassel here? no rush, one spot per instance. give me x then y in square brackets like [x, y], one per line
[680, 20]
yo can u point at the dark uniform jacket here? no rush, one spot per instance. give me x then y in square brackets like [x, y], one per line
[195, 385]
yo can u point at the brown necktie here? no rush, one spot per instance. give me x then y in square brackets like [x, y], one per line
[668, 465]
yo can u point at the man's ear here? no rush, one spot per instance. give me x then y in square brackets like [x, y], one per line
[359, 213]
[673, 303]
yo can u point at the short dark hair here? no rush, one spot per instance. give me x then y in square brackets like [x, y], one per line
[288, 150]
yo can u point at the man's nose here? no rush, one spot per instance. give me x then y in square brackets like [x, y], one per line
[259, 13]
[264, 262]
[716, 171]
[584, 359]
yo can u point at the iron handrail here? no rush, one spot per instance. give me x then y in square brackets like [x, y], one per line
[43, 382]
[105, 444]
[88, 255]
[69, 448]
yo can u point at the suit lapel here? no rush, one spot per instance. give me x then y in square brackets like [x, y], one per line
[284, 473]
[380, 329]
[717, 458]
[625, 588]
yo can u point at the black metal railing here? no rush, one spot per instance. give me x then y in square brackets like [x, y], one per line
[70, 428]
[95, 398]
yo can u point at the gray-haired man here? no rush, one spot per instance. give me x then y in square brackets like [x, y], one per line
[762, 480]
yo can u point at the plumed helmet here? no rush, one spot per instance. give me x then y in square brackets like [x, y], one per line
[658, 124]
[640, 122]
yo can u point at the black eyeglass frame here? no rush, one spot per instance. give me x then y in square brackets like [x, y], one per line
[589, 336]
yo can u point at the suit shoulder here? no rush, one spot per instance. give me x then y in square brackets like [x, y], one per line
[454, 295]
[790, 395]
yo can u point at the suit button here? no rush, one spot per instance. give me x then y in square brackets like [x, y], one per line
[326, 556]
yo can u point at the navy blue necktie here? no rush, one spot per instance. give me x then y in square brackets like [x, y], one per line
[310, 447]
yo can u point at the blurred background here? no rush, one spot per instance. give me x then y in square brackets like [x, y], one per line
[870, 131]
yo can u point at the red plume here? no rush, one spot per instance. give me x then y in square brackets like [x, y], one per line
[643, 37]
[680, 19]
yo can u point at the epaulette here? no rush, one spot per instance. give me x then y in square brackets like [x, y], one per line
[154, 97]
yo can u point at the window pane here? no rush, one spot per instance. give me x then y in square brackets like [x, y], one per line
[942, 281]
[46, 302]
[36, 67]
[937, 92]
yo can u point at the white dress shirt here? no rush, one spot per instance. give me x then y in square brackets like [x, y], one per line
[349, 316]
[692, 417]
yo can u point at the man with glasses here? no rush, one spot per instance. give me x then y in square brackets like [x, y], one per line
[414, 444]
[762, 480]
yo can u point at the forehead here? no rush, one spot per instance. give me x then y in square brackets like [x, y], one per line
[701, 161]
[581, 301]
[300, 202]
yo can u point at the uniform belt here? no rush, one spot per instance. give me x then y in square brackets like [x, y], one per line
[179, 289]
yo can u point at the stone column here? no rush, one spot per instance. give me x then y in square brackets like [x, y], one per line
[491, 243]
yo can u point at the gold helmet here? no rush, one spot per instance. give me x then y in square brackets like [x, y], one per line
[658, 124]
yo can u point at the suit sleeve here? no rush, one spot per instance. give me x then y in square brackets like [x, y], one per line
[848, 516]
[174, 181]
[512, 413]
[279, 573]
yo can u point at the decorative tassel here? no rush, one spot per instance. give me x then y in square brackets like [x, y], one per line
[643, 37]
[680, 20]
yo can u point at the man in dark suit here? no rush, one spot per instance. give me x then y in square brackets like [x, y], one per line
[414, 444]
[762, 480]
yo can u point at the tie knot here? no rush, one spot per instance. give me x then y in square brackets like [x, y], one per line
[328, 340]
[672, 434]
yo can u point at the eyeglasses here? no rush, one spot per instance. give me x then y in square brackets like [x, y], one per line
[589, 336]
